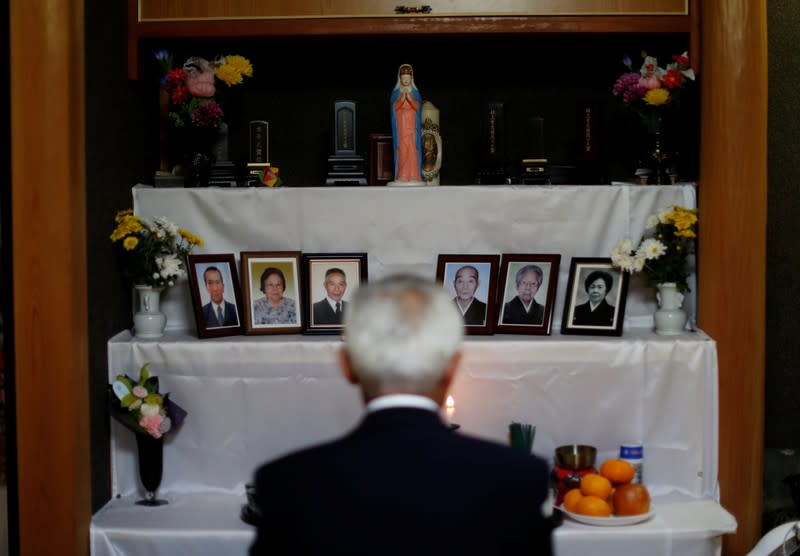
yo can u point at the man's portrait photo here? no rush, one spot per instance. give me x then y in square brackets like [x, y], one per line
[471, 286]
[272, 291]
[528, 290]
[331, 282]
[596, 296]
[218, 312]
[216, 295]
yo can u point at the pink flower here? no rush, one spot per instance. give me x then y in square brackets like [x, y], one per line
[200, 83]
[650, 82]
[152, 424]
[139, 391]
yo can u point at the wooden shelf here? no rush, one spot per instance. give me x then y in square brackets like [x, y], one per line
[508, 25]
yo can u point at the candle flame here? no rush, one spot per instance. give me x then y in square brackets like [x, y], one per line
[450, 403]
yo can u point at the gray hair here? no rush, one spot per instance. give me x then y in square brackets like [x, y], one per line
[526, 269]
[400, 335]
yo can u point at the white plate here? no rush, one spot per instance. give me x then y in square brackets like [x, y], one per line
[613, 521]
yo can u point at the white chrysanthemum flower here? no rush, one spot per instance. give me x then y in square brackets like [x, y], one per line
[652, 221]
[625, 245]
[651, 248]
[149, 409]
[663, 214]
[170, 266]
[637, 264]
[624, 261]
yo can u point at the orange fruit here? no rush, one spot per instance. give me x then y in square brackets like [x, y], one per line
[631, 499]
[571, 499]
[594, 484]
[618, 471]
[592, 505]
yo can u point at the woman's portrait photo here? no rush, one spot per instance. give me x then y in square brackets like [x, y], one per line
[528, 285]
[330, 281]
[595, 302]
[271, 291]
[470, 280]
[215, 295]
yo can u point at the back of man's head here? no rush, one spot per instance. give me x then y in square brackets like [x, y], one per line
[401, 333]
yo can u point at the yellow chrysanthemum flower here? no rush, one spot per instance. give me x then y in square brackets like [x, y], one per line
[130, 243]
[228, 74]
[685, 233]
[121, 214]
[656, 97]
[240, 64]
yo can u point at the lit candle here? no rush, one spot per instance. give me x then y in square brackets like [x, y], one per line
[450, 408]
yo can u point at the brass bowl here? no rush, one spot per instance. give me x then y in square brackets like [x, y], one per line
[576, 456]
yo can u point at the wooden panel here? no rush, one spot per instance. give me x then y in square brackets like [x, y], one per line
[49, 276]
[175, 10]
[732, 256]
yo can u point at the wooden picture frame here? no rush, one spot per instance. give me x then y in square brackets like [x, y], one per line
[329, 278]
[523, 306]
[268, 274]
[213, 275]
[381, 159]
[607, 318]
[480, 294]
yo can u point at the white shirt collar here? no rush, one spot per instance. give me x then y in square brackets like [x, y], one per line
[333, 303]
[464, 311]
[402, 400]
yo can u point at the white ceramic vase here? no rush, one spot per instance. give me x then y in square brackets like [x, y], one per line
[669, 319]
[148, 320]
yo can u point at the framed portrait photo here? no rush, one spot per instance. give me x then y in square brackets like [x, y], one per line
[526, 293]
[271, 284]
[471, 281]
[329, 281]
[595, 299]
[216, 298]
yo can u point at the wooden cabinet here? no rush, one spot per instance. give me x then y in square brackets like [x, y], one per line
[183, 10]
[187, 19]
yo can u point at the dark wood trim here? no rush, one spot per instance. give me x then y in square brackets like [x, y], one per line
[365, 26]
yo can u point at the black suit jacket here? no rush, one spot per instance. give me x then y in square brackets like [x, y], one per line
[324, 313]
[603, 315]
[229, 317]
[476, 314]
[514, 313]
[402, 483]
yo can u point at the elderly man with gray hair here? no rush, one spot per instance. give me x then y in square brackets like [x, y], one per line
[524, 309]
[402, 481]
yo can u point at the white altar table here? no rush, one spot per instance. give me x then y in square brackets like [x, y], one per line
[251, 399]
[404, 229]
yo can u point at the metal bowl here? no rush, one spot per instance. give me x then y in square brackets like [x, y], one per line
[576, 456]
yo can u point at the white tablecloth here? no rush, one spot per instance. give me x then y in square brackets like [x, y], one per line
[251, 399]
[405, 229]
[209, 525]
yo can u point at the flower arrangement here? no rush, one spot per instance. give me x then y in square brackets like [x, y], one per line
[653, 89]
[154, 251]
[139, 406]
[662, 257]
[192, 87]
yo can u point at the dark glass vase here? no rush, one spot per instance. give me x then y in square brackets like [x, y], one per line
[151, 467]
